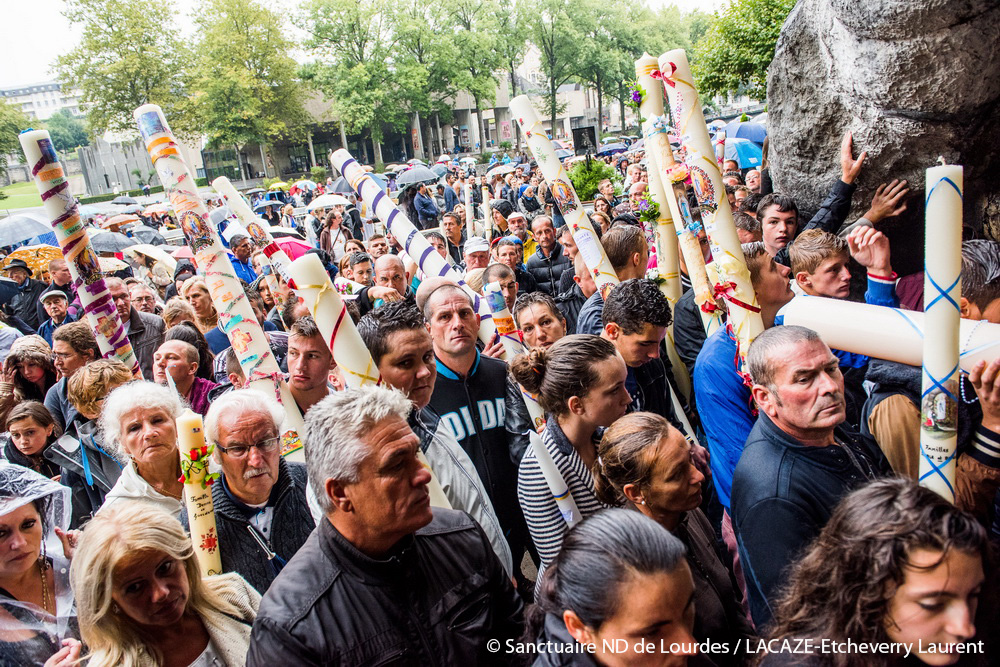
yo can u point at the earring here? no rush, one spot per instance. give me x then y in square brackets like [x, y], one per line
[115, 609]
[642, 502]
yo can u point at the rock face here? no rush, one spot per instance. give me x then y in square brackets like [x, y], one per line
[912, 79]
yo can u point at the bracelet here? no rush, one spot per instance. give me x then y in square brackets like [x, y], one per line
[893, 277]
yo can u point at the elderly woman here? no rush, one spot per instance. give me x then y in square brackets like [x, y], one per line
[528, 203]
[142, 600]
[645, 464]
[28, 373]
[37, 613]
[195, 292]
[139, 427]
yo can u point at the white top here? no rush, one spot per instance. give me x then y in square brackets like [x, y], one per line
[209, 657]
[130, 486]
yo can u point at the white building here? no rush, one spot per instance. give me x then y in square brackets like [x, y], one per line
[40, 101]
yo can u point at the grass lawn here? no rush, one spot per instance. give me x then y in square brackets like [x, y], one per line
[20, 195]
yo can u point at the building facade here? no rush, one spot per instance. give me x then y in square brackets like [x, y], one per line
[39, 101]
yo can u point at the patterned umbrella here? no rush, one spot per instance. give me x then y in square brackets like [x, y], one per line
[35, 256]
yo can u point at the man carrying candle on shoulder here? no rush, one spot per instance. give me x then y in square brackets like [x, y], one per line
[310, 364]
[179, 360]
[628, 253]
[401, 347]
[260, 504]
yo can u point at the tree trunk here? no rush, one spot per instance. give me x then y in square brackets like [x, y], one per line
[239, 163]
[377, 147]
[600, 109]
[343, 135]
[513, 94]
[622, 102]
[263, 160]
[478, 136]
[437, 127]
[553, 103]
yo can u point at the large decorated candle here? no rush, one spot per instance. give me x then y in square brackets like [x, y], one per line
[510, 335]
[71, 233]
[469, 228]
[261, 235]
[428, 259]
[311, 282]
[195, 455]
[717, 217]
[562, 190]
[942, 291]
[236, 317]
[487, 214]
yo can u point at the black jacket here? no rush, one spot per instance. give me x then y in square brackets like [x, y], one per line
[290, 528]
[145, 334]
[784, 493]
[436, 600]
[652, 391]
[26, 305]
[831, 215]
[548, 270]
[569, 304]
[88, 470]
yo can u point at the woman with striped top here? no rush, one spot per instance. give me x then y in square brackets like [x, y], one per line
[580, 383]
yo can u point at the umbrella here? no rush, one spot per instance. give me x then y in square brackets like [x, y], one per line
[88, 211]
[8, 290]
[292, 247]
[564, 153]
[132, 208]
[340, 185]
[266, 203]
[288, 232]
[119, 220]
[611, 149]
[392, 167]
[755, 132]
[637, 146]
[111, 264]
[380, 181]
[417, 174]
[22, 227]
[439, 169]
[155, 253]
[326, 201]
[183, 252]
[123, 201]
[745, 152]
[415, 161]
[307, 185]
[502, 169]
[105, 241]
[716, 124]
[159, 207]
[399, 167]
[217, 215]
[558, 144]
[761, 118]
[468, 160]
[278, 186]
[37, 257]
[444, 157]
[147, 234]
[254, 191]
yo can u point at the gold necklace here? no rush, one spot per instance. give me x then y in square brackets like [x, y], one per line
[42, 567]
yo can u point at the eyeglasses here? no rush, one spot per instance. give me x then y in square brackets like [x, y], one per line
[63, 355]
[240, 451]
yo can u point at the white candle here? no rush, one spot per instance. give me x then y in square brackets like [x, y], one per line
[469, 228]
[510, 335]
[428, 259]
[198, 482]
[236, 318]
[744, 313]
[261, 236]
[942, 291]
[565, 195]
[71, 233]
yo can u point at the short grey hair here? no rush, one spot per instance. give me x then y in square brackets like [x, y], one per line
[760, 363]
[335, 430]
[128, 397]
[242, 402]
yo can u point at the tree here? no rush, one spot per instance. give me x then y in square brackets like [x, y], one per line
[12, 122]
[128, 56]
[554, 31]
[68, 132]
[511, 19]
[245, 83]
[353, 44]
[476, 40]
[738, 48]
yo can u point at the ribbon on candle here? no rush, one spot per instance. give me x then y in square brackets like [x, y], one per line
[194, 458]
[71, 233]
[236, 317]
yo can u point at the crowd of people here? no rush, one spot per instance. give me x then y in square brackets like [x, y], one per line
[772, 507]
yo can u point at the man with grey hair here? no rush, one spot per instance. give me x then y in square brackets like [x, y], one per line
[800, 458]
[144, 331]
[261, 513]
[390, 284]
[383, 575]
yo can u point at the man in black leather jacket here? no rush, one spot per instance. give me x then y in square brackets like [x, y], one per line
[383, 579]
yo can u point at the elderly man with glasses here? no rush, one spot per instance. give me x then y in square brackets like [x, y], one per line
[261, 511]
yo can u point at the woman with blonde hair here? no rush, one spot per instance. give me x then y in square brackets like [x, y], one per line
[178, 310]
[195, 292]
[141, 599]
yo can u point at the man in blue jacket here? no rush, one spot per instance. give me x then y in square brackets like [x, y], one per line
[427, 210]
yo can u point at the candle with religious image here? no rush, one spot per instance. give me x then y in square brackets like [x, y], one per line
[61, 209]
[236, 317]
[195, 455]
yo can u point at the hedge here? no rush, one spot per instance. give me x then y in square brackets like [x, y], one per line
[200, 182]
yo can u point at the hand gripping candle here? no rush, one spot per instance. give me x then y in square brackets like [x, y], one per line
[236, 318]
[71, 234]
[514, 345]
[736, 288]
[198, 482]
[311, 282]
[942, 290]
[566, 198]
[428, 259]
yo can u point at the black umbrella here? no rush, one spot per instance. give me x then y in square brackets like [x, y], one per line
[416, 175]
[124, 201]
[111, 242]
[147, 234]
[340, 185]
[254, 191]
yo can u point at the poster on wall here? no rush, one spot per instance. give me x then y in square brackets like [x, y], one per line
[506, 131]
[416, 141]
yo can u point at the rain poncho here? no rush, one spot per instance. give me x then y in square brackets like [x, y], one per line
[28, 634]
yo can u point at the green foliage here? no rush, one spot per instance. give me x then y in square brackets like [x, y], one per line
[318, 174]
[586, 174]
[68, 132]
[12, 122]
[506, 145]
[96, 199]
[268, 182]
[128, 56]
[736, 50]
[486, 157]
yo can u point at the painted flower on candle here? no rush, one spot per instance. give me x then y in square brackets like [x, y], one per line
[678, 172]
[210, 541]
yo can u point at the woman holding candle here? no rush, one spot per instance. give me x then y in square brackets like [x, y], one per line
[28, 373]
[580, 383]
[645, 464]
[142, 600]
[139, 427]
[37, 613]
[195, 292]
